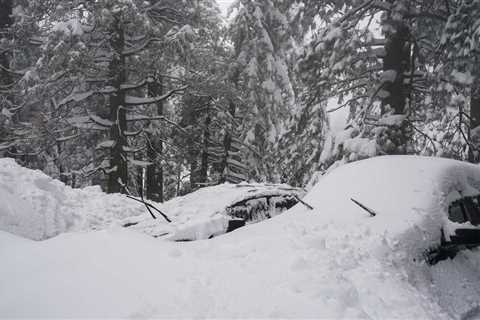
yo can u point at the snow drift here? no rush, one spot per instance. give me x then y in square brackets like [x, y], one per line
[335, 261]
[38, 207]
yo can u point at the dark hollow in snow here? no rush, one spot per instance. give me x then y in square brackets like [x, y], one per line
[255, 208]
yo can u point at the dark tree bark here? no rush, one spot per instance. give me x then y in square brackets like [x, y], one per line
[154, 174]
[6, 21]
[118, 175]
[227, 143]
[473, 154]
[194, 171]
[397, 58]
[203, 174]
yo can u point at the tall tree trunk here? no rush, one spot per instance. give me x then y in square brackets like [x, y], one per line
[194, 171]
[155, 170]
[473, 151]
[397, 61]
[227, 147]
[118, 175]
[5, 77]
[6, 21]
[203, 174]
[227, 143]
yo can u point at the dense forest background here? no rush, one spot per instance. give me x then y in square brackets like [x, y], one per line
[163, 97]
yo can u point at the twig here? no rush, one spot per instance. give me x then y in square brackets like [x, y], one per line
[303, 202]
[370, 211]
[151, 206]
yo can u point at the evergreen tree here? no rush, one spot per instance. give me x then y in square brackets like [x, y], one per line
[262, 38]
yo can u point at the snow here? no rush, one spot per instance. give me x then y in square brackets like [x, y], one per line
[388, 76]
[76, 97]
[41, 207]
[392, 120]
[335, 261]
[36, 206]
[105, 144]
[462, 77]
[71, 27]
[202, 213]
[362, 147]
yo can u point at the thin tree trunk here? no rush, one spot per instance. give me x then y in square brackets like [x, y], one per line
[203, 174]
[118, 176]
[473, 150]
[227, 145]
[154, 146]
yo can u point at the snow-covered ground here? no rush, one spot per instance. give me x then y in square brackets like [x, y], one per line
[335, 261]
[38, 207]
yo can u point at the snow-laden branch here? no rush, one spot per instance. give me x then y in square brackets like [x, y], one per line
[131, 86]
[132, 51]
[137, 101]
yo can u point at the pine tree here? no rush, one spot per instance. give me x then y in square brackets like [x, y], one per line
[262, 38]
[381, 78]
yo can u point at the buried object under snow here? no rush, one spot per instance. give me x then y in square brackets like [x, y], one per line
[212, 211]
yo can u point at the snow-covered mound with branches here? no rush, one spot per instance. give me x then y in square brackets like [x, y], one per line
[335, 261]
[39, 207]
[206, 212]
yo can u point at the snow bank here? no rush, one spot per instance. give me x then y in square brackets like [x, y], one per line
[201, 214]
[335, 261]
[410, 194]
[36, 206]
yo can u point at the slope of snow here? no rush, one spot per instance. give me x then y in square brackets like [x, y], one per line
[39, 207]
[335, 261]
[36, 206]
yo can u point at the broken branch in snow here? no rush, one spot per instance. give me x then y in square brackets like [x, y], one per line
[370, 211]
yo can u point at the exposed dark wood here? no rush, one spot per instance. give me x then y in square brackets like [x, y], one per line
[118, 173]
[6, 21]
[397, 58]
[203, 174]
[473, 154]
[155, 149]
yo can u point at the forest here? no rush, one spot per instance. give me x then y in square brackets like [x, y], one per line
[163, 97]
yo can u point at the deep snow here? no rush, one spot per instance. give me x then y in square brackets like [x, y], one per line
[335, 261]
[39, 207]
[36, 206]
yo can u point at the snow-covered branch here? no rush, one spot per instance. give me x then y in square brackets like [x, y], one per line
[138, 101]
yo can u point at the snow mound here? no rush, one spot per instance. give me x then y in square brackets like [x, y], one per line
[409, 194]
[201, 214]
[335, 261]
[38, 207]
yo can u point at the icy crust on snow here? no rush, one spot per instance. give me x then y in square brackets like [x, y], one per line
[38, 207]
